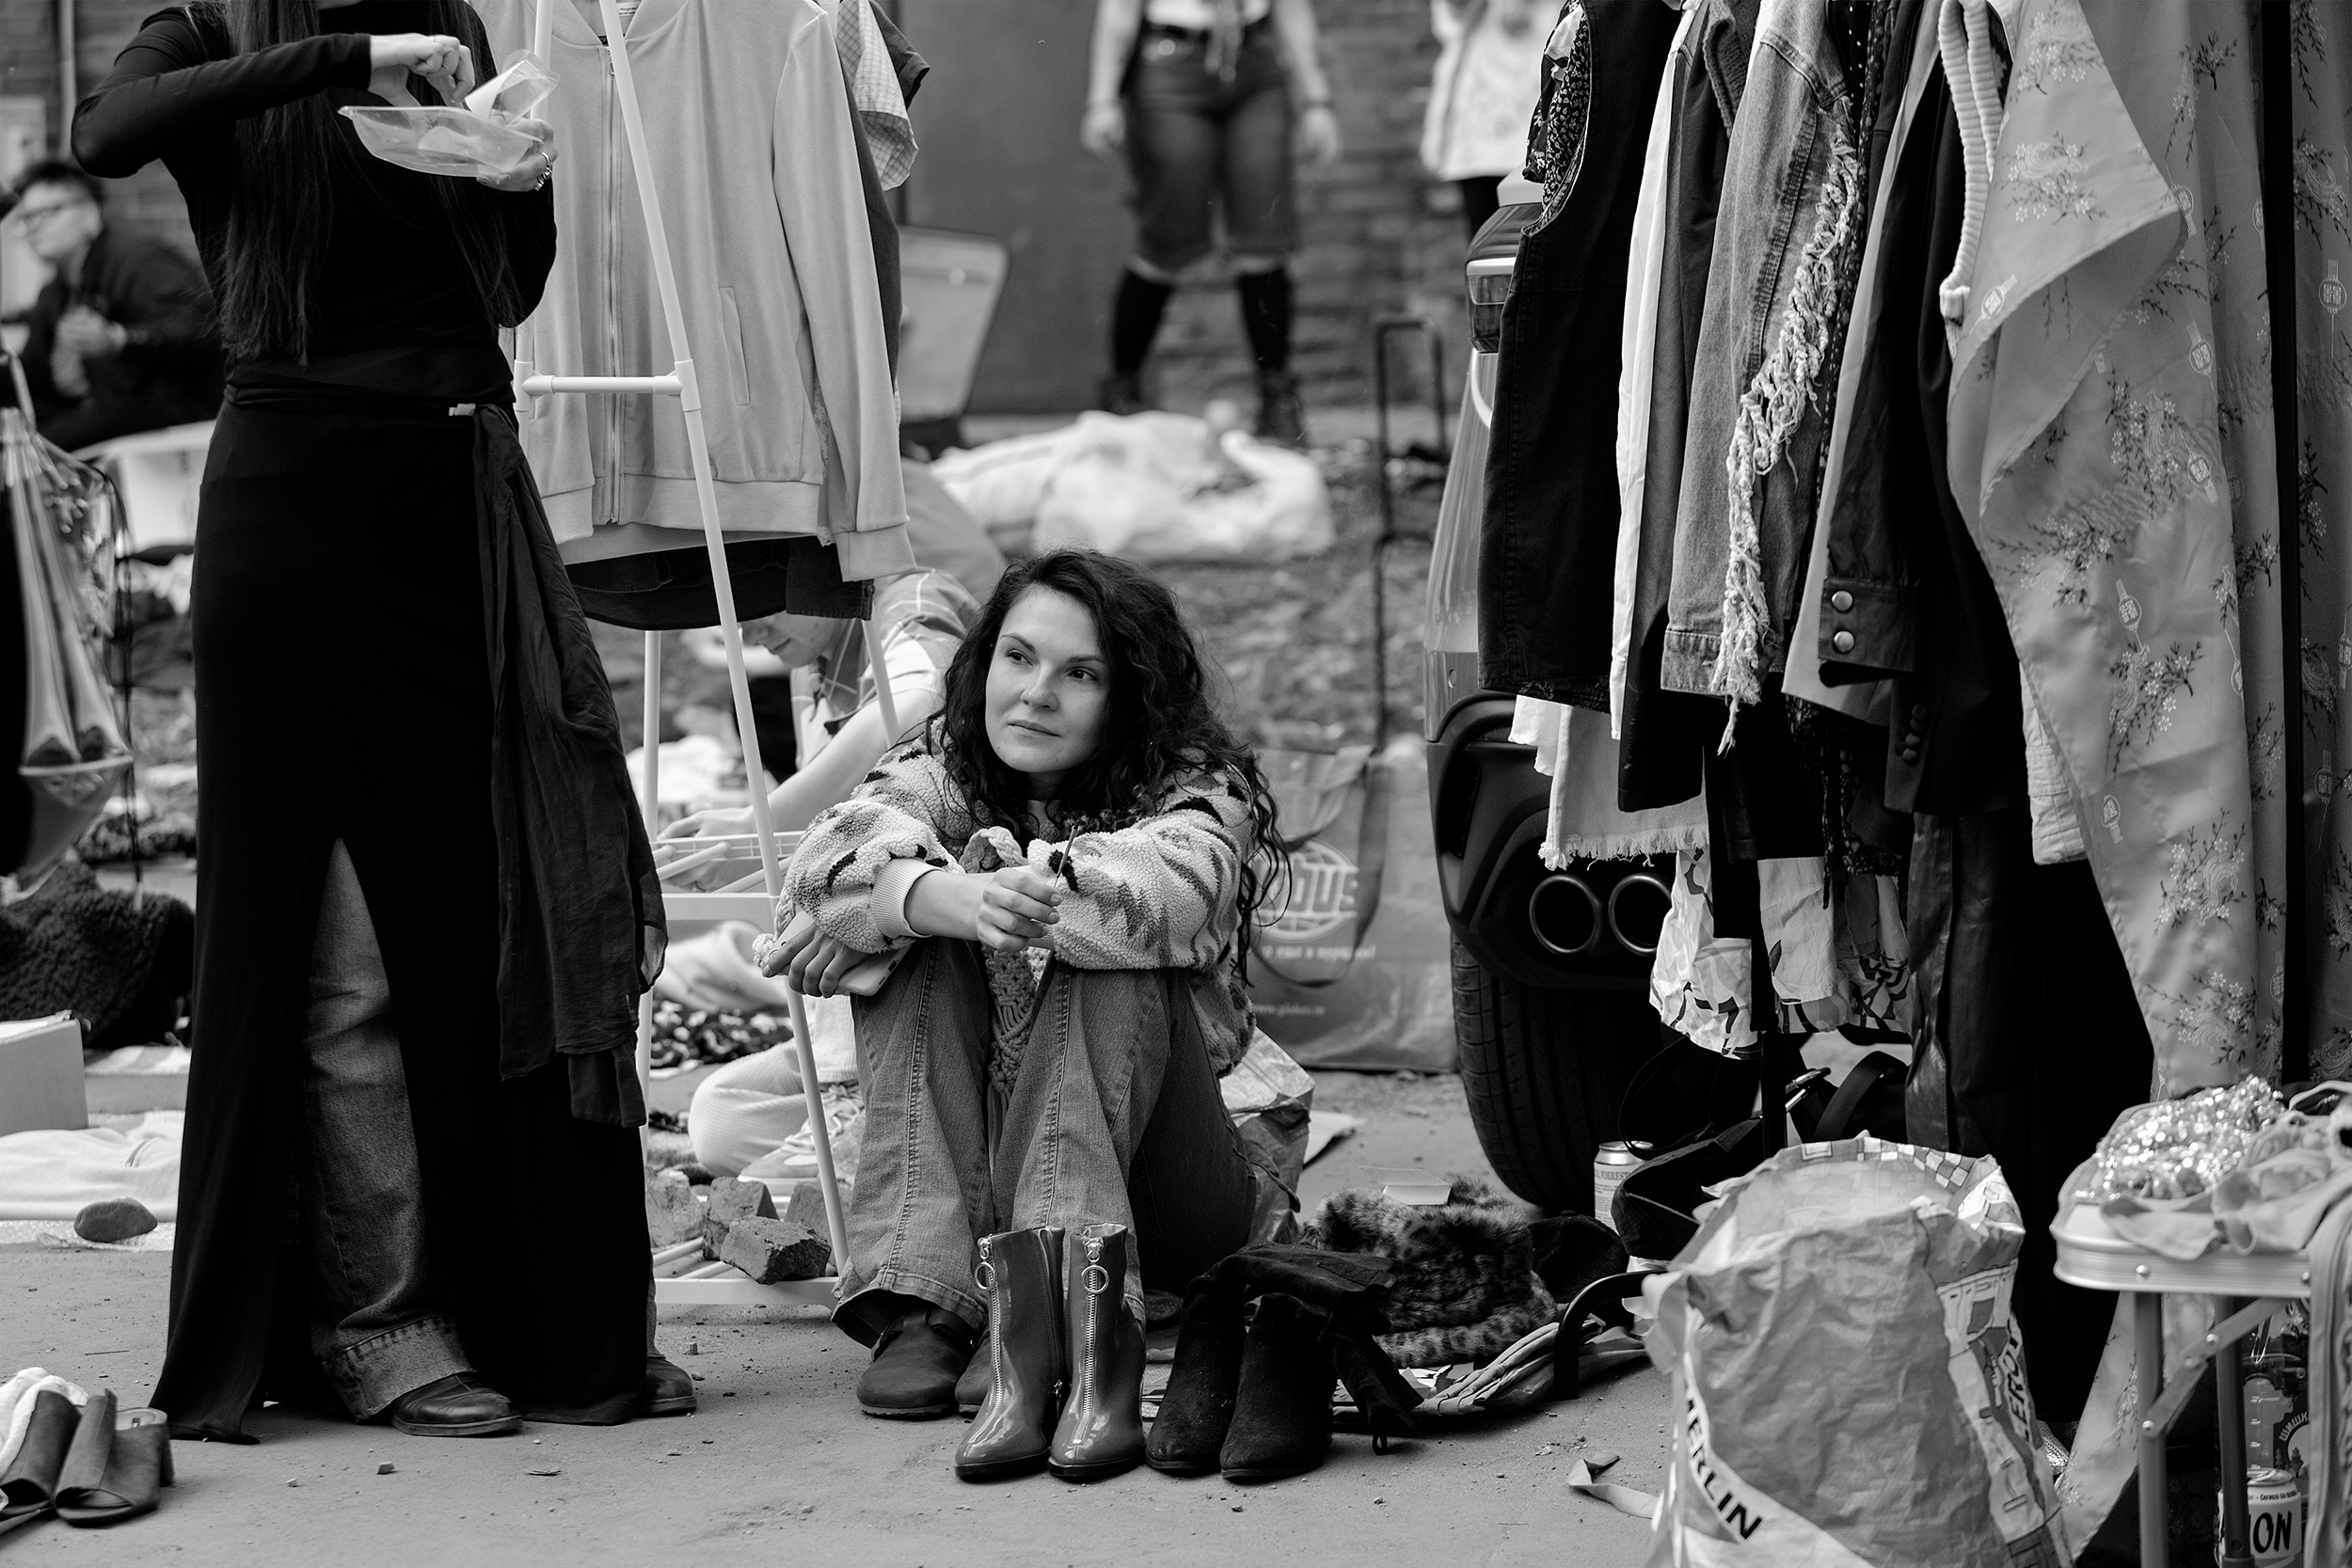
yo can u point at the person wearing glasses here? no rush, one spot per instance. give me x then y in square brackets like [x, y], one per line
[122, 336]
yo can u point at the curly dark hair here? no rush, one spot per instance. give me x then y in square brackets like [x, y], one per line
[1161, 725]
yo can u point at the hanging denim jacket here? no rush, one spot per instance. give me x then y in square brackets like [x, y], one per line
[1788, 243]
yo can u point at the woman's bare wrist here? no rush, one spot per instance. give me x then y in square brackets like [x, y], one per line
[945, 903]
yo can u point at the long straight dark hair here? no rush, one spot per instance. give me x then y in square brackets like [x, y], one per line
[290, 161]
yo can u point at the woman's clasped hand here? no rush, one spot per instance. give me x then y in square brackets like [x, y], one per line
[1007, 910]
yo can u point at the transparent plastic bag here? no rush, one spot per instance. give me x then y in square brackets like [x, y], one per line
[476, 142]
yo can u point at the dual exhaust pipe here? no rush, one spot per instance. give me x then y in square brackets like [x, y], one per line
[1572, 918]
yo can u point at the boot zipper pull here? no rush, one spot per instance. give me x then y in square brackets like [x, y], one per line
[1096, 1279]
[983, 1274]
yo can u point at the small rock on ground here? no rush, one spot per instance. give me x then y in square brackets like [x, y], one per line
[113, 1219]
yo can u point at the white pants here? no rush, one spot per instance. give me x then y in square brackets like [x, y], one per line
[748, 1107]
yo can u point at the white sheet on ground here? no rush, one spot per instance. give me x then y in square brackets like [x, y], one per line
[53, 1175]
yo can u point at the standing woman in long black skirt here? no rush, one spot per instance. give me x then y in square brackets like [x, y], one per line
[426, 906]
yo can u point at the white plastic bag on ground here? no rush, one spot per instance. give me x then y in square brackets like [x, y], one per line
[1849, 1385]
[1270, 1099]
[1100, 501]
[1150, 487]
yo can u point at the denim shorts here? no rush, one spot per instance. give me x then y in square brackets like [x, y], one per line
[1192, 137]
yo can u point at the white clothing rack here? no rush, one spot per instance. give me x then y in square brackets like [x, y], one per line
[707, 1285]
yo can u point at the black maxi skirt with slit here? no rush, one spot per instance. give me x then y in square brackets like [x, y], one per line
[343, 692]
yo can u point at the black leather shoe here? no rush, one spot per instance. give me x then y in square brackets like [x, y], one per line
[915, 1365]
[669, 1389]
[458, 1405]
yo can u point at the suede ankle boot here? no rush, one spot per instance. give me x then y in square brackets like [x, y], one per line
[1100, 1433]
[1021, 1270]
[1189, 1431]
[1283, 1413]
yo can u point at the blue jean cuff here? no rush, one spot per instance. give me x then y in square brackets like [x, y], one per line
[852, 1321]
[382, 1367]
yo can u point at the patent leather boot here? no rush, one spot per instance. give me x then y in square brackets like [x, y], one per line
[1021, 1273]
[1100, 1431]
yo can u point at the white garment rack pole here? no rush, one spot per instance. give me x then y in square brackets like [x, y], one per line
[681, 383]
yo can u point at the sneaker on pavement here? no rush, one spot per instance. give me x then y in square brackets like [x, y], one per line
[845, 1117]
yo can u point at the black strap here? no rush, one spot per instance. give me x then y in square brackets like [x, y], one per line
[1604, 1298]
[1865, 1076]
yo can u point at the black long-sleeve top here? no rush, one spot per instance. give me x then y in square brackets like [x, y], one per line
[393, 305]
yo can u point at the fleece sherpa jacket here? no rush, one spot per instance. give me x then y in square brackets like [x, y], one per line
[1162, 894]
[754, 159]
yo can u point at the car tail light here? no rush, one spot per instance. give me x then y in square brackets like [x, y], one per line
[1490, 279]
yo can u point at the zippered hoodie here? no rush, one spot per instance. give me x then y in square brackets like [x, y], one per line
[754, 159]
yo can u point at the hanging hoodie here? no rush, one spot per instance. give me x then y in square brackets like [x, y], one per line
[756, 160]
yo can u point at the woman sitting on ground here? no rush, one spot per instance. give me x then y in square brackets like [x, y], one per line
[1087, 841]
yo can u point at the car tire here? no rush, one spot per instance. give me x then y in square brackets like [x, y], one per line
[1545, 1069]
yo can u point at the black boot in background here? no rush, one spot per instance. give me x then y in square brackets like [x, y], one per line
[1198, 1406]
[1282, 1414]
[1281, 413]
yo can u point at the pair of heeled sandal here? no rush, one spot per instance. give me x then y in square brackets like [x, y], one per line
[93, 1467]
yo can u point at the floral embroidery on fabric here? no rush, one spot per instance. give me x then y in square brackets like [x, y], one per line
[2149, 685]
[2148, 443]
[2268, 739]
[2337, 901]
[2201, 878]
[2311, 519]
[2307, 37]
[2045, 183]
[2059, 50]
[2184, 287]
[2319, 691]
[2184, 109]
[2221, 1019]
[2319, 196]
[2071, 540]
[2257, 561]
